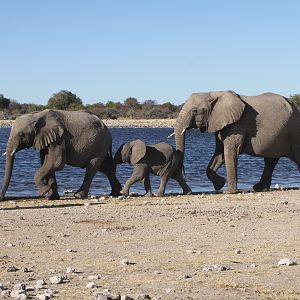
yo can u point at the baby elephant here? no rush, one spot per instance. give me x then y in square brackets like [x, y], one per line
[160, 159]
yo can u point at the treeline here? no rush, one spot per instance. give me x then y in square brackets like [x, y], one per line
[130, 108]
[66, 100]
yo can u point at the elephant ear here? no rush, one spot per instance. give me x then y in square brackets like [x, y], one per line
[227, 108]
[138, 151]
[49, 128]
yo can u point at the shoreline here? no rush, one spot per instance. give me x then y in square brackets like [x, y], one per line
[119, 123]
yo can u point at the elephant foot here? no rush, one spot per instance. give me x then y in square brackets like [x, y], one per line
[159, 194]
[261, 187]
[187, 191]
[115, 194]
[149, 194]
[81, 195]
[125, 193]
[219, 183]
[231, 191]
[44, 189]
[54, 196]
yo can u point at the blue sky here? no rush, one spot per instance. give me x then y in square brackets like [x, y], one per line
[149, 49]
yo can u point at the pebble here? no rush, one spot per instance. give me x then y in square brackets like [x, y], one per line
[215, 268]
[237, 251]
[21, 297]
[286, 262]
[124, 297]
[5, 293]
[70, 270]
[71, 250]
[58, 279]
[253, 265]
[284, 202]
[42, 297]
[106, 296]
[125, 261]
[16, 293]
[191, 251]
[91, 285]
[94, 277]
[11, 269]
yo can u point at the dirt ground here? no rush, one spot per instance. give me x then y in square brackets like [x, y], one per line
[163, 247]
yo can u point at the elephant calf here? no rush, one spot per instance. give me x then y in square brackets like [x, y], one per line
[159, 159]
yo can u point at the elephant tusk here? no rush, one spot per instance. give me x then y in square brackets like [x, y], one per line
[183, 131]
[13, 152]
[171, 135]
[4, 154]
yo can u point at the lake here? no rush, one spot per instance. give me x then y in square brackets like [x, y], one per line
[199, 149]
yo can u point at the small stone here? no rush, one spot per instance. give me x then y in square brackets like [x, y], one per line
[11, 269]
[230, 225]
[237, 251]
[58, 279]
[276, 186]
[25, 270]
[125, 261]
[215, 268]
[106, 296]
[10, 245]
[157, 272]
[71, 251]
[87, 204]
[243, 234]
[94, 277]
[191, 251]
[19, 286]
[16, 293]
[91, 285]
[70, 270]
[169, 291]
[286, 262]
[285, 202]
[29, 288]
[42, 297]
[5, 293]
[259, 194]
[253, 265]
[21, 297]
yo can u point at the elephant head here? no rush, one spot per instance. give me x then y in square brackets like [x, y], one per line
[35, 129]
[131, 152]
[210, 112]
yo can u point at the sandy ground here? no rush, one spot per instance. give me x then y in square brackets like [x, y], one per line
[167, 241]
[121, 123]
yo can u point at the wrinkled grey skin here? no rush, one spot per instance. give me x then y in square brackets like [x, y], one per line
[267, 125]
[76, 138]
[159, 159]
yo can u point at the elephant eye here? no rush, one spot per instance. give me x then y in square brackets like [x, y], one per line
[194, 111]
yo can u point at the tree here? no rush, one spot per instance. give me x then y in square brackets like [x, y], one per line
[4, 102]
[296, 99]
[132, 103]
[148, 104]
[65, 100]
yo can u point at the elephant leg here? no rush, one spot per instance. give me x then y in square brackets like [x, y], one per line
[215, 163]
[231, 152]
[53, 161]
[147, 185]
[162, 186]
[108, 168]
[90, 172]
[137, 175]
[177, 175]
[51, 181]
[266, 178]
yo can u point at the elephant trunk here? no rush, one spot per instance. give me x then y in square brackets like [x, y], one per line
[10, 156]
[183, 122]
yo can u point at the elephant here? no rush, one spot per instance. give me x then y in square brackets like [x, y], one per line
[266, 125]
[77, 138]
[159, 159]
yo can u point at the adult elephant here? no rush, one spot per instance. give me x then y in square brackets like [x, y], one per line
[267, 125]
[76, 138]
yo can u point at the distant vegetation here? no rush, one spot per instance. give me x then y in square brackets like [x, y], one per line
[130, 108]
[66, 100]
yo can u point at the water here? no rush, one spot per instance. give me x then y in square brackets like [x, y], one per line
[199, 149]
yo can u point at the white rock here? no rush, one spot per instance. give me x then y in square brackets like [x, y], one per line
[91, 285]
[286, 262]
[42, 297]
[125, 261]
[16, 293]
[5, 293]
[70, 270]
[94, 277]
[56, 279]
[237, 251]
[22, 297]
